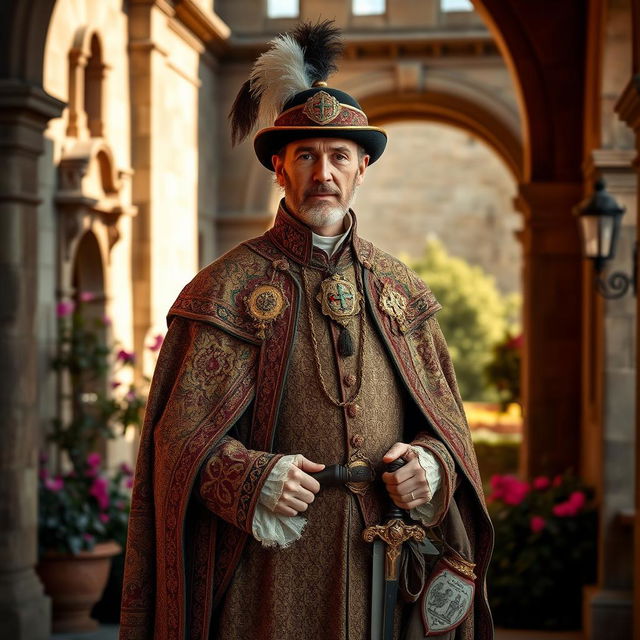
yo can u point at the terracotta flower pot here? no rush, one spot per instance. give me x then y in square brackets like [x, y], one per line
[75, 583]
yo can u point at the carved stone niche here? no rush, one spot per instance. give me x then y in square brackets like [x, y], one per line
[92, 195]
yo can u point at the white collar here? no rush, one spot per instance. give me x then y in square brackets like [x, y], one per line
[330, 244]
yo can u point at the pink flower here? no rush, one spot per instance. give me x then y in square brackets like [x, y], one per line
[94, 459]
[104, 518]
[570, 507]
[99, 490]
[516, 492]
[508, 489]
[86, 296]
[541, 483]
[106, 321]
[115, 384]
[65, 308]
[537, 524]
[126, 357]
[87, 537]
[158, 339]
[129, 483]
[577, 499]
[54, 484]
[131, 395]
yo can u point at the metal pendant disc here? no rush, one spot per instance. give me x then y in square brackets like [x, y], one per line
[340, 300]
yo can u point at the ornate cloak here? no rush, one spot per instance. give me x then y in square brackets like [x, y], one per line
[223, 354]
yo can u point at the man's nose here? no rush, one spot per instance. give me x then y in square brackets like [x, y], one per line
[322, 169]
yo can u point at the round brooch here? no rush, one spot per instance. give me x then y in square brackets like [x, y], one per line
[264, 304]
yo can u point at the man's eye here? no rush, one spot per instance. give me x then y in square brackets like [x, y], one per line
[341, 157]
[304, 156]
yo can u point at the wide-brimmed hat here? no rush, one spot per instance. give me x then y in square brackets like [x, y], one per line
[287, 90]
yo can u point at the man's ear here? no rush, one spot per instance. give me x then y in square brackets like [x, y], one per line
[362, 169]
[277, 163]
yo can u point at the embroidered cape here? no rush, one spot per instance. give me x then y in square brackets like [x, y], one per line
[230, 336]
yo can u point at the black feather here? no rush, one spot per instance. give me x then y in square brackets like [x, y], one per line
[322, 45]
[243, 114]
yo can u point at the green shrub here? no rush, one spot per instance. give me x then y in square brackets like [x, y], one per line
[475, 316]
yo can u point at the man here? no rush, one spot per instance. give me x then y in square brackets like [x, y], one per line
[302, 348]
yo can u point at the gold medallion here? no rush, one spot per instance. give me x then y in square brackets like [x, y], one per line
[394, 304]
[340, 300]
[321, 107]
[264, 304]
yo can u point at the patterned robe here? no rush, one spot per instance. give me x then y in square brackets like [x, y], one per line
[233, 392]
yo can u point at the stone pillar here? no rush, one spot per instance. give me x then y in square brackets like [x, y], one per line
[551, 321]
[610, 397]
[628, 108]
[24, 112]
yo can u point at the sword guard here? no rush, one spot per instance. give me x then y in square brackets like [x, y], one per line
[393, 533]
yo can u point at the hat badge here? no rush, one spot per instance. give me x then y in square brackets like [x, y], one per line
[321, 107]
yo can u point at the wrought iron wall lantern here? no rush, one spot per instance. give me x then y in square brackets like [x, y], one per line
[599, 218]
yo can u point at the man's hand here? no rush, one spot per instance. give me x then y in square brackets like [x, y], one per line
[407, 486]
[299, 487]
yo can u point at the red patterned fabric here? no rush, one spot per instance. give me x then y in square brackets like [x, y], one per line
[212, 367]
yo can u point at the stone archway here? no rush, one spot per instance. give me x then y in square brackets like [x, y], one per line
[545, 58]
[25, 109]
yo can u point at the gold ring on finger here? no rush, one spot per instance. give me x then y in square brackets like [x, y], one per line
[412, 496]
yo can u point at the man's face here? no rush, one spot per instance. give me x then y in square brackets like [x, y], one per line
[319, 177]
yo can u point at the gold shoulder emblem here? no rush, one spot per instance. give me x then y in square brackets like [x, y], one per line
[394, 304]
[264, 304]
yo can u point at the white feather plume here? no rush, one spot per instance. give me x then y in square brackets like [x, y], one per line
[277, 75]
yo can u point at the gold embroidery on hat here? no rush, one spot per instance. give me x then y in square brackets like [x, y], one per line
[321, 107]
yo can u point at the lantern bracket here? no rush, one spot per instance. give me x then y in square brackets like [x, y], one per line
[618, 283]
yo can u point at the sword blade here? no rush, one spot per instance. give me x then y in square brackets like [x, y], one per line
[390, 599]
[377, 592]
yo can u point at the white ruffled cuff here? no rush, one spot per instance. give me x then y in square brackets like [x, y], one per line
[268, 527]
[426, 513]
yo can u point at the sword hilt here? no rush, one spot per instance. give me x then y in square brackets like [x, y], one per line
[395, 512]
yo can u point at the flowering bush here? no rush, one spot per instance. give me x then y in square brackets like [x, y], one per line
[503, 370]
[545, 551]
[76, 510]
[80, 504]
[98, 409]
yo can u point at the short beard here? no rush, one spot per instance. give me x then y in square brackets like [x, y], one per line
[323, 214]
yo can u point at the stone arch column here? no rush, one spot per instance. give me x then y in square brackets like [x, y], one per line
[24, 112]
[546, 60]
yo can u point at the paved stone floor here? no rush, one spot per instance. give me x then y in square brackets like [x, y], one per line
[108, 632]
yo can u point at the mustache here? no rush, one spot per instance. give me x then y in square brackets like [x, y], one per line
[322, 190]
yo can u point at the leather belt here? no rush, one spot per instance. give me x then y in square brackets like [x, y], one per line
[356, 476]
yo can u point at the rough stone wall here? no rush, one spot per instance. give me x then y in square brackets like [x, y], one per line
[109, 23]
[436, 180]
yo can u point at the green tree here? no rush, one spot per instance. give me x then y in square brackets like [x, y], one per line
[475, 316]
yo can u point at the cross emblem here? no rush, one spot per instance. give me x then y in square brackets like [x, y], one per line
[339, 299]
[341, 296]
[321, 107]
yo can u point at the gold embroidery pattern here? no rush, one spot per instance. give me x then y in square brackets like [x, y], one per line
[394, 304]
